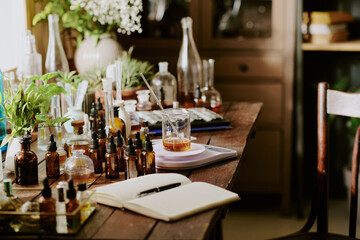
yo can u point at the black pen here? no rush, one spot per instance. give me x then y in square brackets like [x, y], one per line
[158, 189]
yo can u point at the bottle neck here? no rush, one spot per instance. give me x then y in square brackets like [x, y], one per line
[78, 130]
[25, 146]
[54, 35]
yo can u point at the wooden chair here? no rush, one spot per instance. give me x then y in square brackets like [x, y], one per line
[343, 104]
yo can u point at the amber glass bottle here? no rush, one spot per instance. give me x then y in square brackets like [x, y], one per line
[138, 153]
[119, 123]
[119, 142]
[26, 165]
[52, 160]
[130, 159]
[71, 204]
[149, 156]
[100, 109]
[79, 140]
[94, 118]
[47, 205]
[197, 97]
[112, 161]
[94, 153]
[102, 143]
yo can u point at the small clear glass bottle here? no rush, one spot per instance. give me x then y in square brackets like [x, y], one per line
[144, 103]
[55, 55]
[166, 81]
[149, 156]
[84, 201]
[138, 152]
[94, 153]
[61, 223]
[94, 118]
[79, 168]
[79, 140]
[210, 96]
[112, 161]
[188, 66]
[119, 142]
[47, 205]
[130, 108]
[26, 164]
[31, 59]
[130, 159]
[52, 160]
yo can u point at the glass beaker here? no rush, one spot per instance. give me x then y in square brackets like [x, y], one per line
[176, 130]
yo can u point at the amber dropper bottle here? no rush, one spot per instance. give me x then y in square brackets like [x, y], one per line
[149, 156]
[100, 109]
[138, 152]
[94, 153]
[94, 118]
[119, 142]
[102, 143]
[52, 160]
[112, 161]
[72, 204]
[26, 164]
[47, 205]
[130, 159]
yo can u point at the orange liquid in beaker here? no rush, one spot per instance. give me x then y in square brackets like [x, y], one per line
[176, 145]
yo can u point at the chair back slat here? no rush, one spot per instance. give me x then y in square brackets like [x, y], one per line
[343, 104]
[354, 185]
[322, 164]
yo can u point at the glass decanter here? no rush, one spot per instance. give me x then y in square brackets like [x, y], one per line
[210, 96]
[188, 66]
[79, 168]
[166, 81]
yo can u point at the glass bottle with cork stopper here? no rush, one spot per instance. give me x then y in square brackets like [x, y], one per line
[119, 142]
[78, 140]
[149, 156]
[130, 159]
[94, 118]
[102, 143]
[47, 205]
[94, 153]
[79, 168]
[52, 159]
[26, 164]
[138, 152]
[112, 161]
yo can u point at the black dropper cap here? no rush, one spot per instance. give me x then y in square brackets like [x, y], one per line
[99, 105]
[130, 150]
[94, 112]
[119, 142]
[111, 147]
[46, 192]
[101, 130]
[198, 91]
[148, 143]
[52, 144]
[138, 141]
[94, 142]
[25, 139]
[71, 192]
[82, 187]
[116, 111]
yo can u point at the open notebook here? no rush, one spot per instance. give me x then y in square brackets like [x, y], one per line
[165, 196]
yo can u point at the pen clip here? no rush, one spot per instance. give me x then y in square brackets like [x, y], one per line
[158, 189]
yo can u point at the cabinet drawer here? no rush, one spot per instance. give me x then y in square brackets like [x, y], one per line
[271, 95]
[266, 66]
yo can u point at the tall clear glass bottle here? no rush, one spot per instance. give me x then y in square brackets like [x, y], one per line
[188, 65]
[166, 81]
[31, 62]
[109, 107]
[55, 55]
[210, 96]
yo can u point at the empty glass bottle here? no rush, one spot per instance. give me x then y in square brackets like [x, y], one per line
[188, 65]
[31, 60]
[210, 96]
[26, 165]
[144, 103]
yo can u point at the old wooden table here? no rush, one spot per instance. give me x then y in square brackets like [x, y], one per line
[112, 223]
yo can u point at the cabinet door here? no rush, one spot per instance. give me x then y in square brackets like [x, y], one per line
[250, 24]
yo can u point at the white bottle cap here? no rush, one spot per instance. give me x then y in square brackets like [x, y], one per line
[110, 72]
[107, 84]
[163, 66]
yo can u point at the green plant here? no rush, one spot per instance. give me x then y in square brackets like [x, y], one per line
[23, 107]
[94, 77]
[71, 78]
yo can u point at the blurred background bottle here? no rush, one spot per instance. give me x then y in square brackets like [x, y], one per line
[2, 114]
[210, 96]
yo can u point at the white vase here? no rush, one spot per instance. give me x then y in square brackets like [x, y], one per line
[14, 147]
[90, 55]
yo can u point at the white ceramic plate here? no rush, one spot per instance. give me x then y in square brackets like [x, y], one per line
[194, 150]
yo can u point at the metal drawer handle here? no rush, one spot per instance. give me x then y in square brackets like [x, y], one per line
[243, 67]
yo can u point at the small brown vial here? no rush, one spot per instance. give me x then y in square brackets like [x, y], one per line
[100, 109]
[47, 205]
[119, 142]
[26, 164]
[112, 161]
[138, 154]
[130, 159]
[102, 143]
[149, 156]
[52, 160]
[72, 204]
[94, 153]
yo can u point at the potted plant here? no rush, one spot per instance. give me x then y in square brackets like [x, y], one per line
[95, 22]
[26, 107]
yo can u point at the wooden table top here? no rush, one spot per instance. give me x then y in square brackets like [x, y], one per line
[112, 223]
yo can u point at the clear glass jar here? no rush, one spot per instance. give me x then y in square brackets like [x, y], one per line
[210, 96]
[79, 168]
[130, 108]
[144, 103]
[166, 81]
